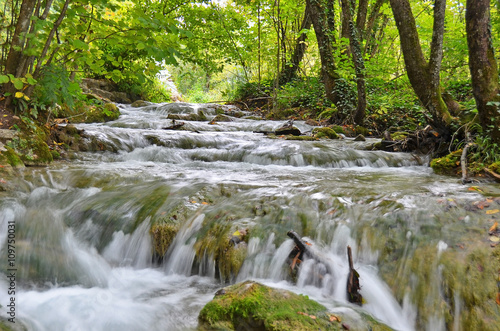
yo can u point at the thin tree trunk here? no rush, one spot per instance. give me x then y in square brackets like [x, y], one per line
[289, 72]
[359, 64]
[17, 44]
[423, 76]
[483, 66]
[361, 19]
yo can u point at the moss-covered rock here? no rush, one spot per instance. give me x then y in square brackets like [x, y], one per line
[325, 132]
[253, 306]
[215, 242]
[140, 103]
[163, 233]
[30, 149]
[11, 157]
[447, 165]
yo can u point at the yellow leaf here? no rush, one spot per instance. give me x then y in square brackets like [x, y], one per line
[204, 203]
[475, 188]
[192, 201]
[19, 95]
[493, 211]
[26, 97]
[494, 239]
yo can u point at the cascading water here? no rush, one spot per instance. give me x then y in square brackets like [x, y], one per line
[84, 239]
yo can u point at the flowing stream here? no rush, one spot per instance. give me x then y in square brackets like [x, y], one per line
[83, 227]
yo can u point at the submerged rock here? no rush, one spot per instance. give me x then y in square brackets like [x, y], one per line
[253, 306]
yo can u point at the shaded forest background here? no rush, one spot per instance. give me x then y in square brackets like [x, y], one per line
[385, 65]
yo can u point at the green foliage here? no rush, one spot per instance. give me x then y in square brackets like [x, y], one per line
[55, 87]
[308, 93]
[460, 90]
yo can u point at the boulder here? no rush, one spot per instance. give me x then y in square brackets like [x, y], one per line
[252, 306]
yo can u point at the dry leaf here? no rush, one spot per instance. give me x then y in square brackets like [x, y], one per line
[498, 298]
[493, 228]
[493, 211]
[192, 201]
[475, 188]
[334, 318]
[204, 203]
[481, 204]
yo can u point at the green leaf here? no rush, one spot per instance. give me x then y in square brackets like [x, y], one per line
[4, 79]
[18, 84]
[78, 44]
[141, 46]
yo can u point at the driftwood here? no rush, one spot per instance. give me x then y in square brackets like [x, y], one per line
[353, 287]
[492, 174]
[305, 251]
[302, 250]
[174, 126]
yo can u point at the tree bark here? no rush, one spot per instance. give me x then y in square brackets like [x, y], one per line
[357, 59]
[424, 76]
[289, 72]
[483, 66]
[361, 19]
[321, 11]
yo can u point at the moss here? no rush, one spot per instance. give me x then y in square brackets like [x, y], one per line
[325, 132]
[361, 130]
[495, 167]
[253, 306]
[31, 149]
[303, 138]
[216, 242]
[447, 165]
[163, 233]
[12, 158]
[399, 135]
[98, 114]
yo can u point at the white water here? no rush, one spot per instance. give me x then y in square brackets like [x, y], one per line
[85, 269]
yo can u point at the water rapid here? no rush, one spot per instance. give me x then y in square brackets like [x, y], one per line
[87, 256]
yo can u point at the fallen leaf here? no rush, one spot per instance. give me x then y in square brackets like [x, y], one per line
[192, 201]
[481, 204]
[494, 239]
[493, 228]
[475, 188]
[498, 298]
[204, 203]
[493, 211]
[334, 318]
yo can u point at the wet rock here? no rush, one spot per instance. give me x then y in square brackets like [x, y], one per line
[222, 118]
[199, 116]
[140, 103]
[288, 129]
[360, 137]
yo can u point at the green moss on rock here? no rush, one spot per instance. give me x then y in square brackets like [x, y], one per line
[163, 233]
[325, 132]
[252, 306]
[447, 165]
[12, 158]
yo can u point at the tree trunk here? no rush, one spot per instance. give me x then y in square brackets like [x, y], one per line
[324, 35]
[483, 66]
[361, 19]
[17, 45]
[423, 76]
[289, 72]
[357, 59]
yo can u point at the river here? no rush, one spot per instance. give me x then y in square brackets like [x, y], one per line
[83, 246]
